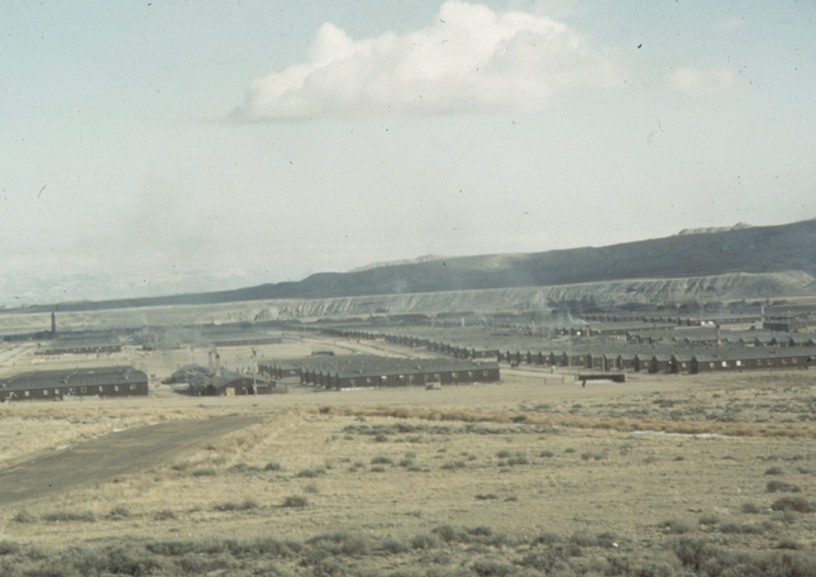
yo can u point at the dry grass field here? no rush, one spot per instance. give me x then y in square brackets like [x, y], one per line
[662, 476]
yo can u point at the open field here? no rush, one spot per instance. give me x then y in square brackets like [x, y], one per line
[529, 477]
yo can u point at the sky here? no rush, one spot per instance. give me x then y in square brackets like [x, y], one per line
[164, 147]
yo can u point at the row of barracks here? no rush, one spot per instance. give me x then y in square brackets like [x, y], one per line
[671, 320]
[669, 358]
[355, 372]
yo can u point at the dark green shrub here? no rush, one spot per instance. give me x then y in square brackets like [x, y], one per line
[491, 568]
[179, 548]
[677, 526]
[606, 540]
[23, 517]
[425, 541]
[583, 540]
[653, 569]
[164, 515]
[323, 547]
[709, 519]
[781, 487]
[263, 547]
[66, 516]
[311, 473]
[513, 461]
[790, 544]
[797, 504]
[243, 468]
[9, 548]
[481, 530]
[745, 528]
[546, 539]
[551, 560]
[245, 505]
[395, 546]
[706, 559]
[112, 560]
[295, 501]
[118, 513]
[449, 534]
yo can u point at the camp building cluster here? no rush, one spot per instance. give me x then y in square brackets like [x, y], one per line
[355, 372]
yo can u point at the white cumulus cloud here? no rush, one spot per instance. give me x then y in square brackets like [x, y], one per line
[469, 58]
[689, 79]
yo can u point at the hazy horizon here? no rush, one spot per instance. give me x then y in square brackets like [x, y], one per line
[159, 148]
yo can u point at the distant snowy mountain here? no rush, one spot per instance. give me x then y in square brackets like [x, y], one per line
[715, 229]
[417, 260]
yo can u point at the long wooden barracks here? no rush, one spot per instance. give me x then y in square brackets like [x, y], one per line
[114, 381]
[361, 371]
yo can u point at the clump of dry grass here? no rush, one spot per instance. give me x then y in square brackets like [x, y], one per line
[622, 424]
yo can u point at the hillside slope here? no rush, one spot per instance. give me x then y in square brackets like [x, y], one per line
[787, 249]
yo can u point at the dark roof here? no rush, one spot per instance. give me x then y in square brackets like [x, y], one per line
[752, 353]
[117, 375]
[199, 378]
[374, 365]
[71, 343]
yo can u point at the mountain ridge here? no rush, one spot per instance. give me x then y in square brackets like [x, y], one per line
[754, 250]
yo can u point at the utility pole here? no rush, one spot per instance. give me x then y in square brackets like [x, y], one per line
[254, 372]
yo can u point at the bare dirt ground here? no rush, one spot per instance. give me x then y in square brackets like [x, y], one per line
[661, 475]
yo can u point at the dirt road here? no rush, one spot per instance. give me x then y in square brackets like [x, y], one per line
[105, 457]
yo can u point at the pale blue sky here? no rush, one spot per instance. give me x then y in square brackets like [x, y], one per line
[188, 146]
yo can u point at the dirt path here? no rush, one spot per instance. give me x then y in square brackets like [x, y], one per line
[104, 458]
